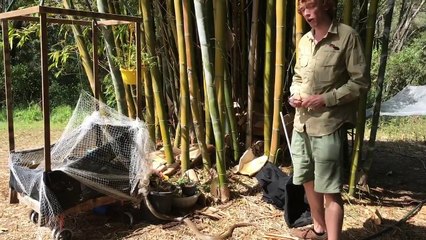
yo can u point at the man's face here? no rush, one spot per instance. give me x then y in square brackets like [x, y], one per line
[313, 12]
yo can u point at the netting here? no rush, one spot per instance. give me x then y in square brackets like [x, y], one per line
[410, 101]
[100, 153]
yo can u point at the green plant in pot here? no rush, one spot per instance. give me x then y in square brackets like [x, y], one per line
[127, 62]
[161, 192]
[188, 195]
[188, 187]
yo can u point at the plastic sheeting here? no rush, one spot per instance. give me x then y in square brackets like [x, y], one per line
[410, 101]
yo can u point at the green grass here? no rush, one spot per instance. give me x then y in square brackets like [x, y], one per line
[411, 128]
[32, 118]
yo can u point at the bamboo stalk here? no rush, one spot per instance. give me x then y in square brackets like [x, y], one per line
[380, 80]
[252, 72]
[347, 12]
[236, 50]
[82, 48]
[244, 55]
[219, 62]
[156, 81]
[184, 89]
[299, 27]
[231, 119]
[267, 76]
[279, 75]
[149, 98]
[114, 70]
[194, 89]
[214, 111]
[360, 125]
[208, 120]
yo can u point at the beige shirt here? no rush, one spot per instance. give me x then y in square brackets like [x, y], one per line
[335, 68]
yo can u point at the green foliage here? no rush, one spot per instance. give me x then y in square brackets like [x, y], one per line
[109, 91]
[61, 114]
[3, 117]
[411, 128]
[66, 76]
[31, 114]
[127, 60]
[60, 59]
[406, 67]
[18, 37]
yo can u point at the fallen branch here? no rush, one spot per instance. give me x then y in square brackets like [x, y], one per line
[404, 219]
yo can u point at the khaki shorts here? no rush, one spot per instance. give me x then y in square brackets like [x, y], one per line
[318, 159]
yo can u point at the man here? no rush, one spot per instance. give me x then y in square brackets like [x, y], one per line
[329, 75]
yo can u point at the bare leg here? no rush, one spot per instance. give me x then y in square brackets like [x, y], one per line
[316, 204]
[333, 215]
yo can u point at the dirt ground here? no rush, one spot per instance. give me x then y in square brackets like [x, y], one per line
[397, 185]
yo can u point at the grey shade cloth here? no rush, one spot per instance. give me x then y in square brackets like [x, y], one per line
[410, 101]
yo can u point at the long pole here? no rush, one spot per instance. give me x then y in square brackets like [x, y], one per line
[286, 136]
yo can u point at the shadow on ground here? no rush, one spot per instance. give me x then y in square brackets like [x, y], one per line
[397, 180]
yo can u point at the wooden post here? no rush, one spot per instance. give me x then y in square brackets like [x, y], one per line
[8, 84]
[45, 90]
[13, 196]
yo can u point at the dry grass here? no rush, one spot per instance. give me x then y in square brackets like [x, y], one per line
[399, 177]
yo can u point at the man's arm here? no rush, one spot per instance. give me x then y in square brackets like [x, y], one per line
[359, 79]
[295, 99]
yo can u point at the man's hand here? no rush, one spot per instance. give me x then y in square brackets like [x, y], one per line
[295, 102]
[313, 102]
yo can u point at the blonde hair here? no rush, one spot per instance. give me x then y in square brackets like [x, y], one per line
[328, 5]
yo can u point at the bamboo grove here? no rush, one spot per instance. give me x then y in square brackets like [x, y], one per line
[216, 73]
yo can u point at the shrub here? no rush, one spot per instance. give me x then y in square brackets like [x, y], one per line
[31, 114]
[61, 114]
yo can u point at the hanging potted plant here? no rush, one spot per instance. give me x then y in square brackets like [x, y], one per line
[126, 55]
[127, 64]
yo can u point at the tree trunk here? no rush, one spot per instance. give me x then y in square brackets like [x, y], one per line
[403, 30]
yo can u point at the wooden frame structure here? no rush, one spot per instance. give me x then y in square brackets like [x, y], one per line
[45, 15]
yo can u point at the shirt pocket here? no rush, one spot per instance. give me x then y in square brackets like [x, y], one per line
[331, 58]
